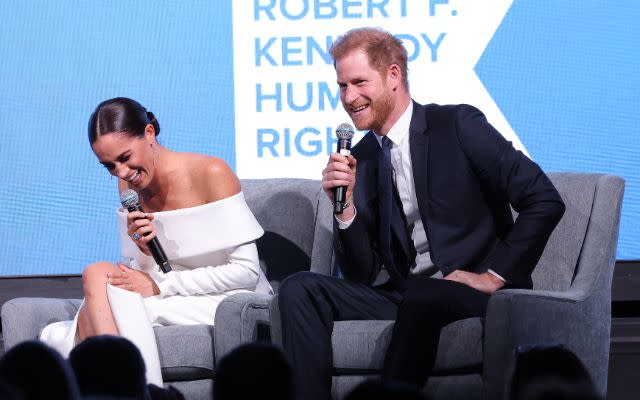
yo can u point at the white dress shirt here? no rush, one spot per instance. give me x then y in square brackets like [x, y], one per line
[403, 179]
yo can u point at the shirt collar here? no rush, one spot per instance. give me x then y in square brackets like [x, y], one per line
[400, 129]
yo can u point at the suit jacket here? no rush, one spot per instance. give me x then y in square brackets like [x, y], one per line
[466, 175]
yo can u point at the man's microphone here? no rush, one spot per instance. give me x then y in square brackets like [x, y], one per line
[344, 132]
[129, 200]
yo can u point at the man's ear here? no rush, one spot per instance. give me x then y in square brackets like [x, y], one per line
[394, 76]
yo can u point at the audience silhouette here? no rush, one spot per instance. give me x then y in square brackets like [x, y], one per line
[158, 393]
[253, 371]
[33, 370]
[109, 366]
[9, 392]
[382, 389]
[549, 373]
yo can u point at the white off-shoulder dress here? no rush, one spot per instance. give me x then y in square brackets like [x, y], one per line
[213, 255]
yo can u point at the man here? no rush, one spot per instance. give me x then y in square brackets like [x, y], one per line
[428, 195]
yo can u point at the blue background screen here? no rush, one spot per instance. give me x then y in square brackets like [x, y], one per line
[563, 74]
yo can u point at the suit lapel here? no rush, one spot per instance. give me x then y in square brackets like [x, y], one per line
[368, 169]
[419, 148]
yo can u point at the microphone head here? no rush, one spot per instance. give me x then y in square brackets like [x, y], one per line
[128, 198]
[344, 131]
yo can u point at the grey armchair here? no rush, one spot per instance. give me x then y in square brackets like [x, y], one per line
[297, 237]
[570, 305]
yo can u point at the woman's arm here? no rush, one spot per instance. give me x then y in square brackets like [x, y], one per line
[241, 272]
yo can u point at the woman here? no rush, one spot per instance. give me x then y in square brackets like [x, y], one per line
[194, 205]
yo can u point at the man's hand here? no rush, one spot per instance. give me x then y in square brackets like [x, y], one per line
[485, 282]
[340, 171]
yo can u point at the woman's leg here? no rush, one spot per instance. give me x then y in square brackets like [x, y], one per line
[95, 317]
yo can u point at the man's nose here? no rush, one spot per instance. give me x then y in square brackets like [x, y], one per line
[350, 94]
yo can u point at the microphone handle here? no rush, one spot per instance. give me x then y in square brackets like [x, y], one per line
[159, 256]
[340, 192]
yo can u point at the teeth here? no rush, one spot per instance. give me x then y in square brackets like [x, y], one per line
[356, 109]
[133, 176]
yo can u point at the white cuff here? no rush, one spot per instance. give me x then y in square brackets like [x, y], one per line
[346, 224]
[497, 276]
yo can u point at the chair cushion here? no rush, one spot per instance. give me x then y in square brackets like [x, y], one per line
[186, 352]
[360, 346]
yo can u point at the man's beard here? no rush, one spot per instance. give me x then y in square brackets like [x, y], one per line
[379, 110]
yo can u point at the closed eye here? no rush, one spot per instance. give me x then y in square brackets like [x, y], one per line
[123, 158]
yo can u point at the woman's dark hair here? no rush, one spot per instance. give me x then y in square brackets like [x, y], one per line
[120, 115]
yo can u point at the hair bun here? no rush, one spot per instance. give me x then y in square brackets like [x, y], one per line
[153, 121]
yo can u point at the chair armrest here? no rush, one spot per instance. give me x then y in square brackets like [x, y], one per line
[579, 321]
[237, 319]
[23, 318]
[276, 325]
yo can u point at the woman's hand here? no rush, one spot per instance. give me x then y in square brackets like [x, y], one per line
[133, 280]
[140, 229]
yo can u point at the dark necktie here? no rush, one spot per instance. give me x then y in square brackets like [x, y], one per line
[385, 191]
[385, 204]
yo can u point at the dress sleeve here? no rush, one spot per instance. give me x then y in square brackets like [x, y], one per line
[241, 272]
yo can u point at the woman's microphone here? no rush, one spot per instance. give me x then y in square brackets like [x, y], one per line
[129, 200]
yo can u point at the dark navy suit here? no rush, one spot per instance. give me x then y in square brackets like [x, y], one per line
[466, 176]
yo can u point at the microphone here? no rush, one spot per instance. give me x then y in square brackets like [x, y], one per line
[344, 132]
[129, 200]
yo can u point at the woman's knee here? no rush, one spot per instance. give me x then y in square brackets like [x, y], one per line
[95, 275]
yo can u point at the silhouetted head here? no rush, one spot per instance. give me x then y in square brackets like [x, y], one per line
[109, 366]
[253, 371]
[34, 370]
[9, 392]
[549, 372]
[382, 389]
